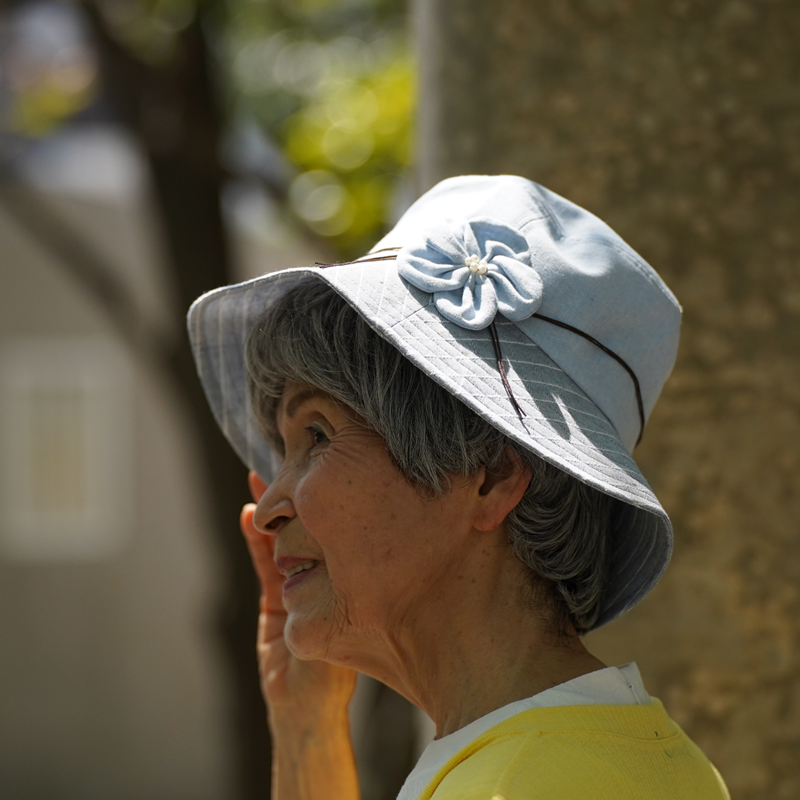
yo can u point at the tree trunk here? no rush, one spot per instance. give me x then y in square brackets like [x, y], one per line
[173, 112]
[182, 130]
[679, 124]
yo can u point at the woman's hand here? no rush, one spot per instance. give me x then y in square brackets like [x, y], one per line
[307, 700]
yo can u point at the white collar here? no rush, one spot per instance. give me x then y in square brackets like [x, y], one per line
[617, 686]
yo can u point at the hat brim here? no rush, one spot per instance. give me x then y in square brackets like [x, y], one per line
[561, 424]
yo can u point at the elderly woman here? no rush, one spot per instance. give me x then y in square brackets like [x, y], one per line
[443, 428]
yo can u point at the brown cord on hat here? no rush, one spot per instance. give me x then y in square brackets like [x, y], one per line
[502, 370]
[613, 355]
[364, 259]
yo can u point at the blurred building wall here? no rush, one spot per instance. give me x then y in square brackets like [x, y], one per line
[110, 678]
[678, 123]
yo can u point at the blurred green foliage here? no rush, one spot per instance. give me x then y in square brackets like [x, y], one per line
[42, 84]
[46, 99]
[332, 83]
[329, 82]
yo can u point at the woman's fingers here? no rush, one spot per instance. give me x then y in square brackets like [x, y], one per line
[271, 622]
[261, 552]
[261, 547]
[270, 631]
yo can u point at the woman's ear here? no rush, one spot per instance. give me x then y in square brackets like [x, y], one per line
[500, 491]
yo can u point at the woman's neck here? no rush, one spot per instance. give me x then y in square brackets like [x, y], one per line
[470, 652]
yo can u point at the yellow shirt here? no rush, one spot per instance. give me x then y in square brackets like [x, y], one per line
[587, 752]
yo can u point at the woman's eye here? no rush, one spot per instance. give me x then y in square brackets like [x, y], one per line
[317, 436]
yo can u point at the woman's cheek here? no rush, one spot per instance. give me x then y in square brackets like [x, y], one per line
[317, 505]
[308, 495]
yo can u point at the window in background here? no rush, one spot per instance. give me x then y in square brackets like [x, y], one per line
[65, 448]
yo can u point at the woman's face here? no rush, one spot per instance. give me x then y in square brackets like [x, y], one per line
[364, 554]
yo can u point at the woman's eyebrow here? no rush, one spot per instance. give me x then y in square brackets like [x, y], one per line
[301, 397]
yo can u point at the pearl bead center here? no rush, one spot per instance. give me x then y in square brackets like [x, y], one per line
[476, 265]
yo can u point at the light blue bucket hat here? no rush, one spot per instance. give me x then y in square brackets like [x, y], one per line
[527, 308]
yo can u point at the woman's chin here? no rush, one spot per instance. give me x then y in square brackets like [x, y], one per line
[306, 640]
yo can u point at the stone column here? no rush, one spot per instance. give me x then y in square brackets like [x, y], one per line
[678, 123]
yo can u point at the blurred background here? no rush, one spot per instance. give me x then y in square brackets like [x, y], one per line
[151, 150]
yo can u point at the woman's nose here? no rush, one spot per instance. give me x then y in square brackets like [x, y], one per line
[274, 509]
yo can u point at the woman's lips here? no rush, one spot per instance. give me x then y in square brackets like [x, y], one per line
[296, 570]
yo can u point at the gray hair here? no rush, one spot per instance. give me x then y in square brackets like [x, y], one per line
[311, 335]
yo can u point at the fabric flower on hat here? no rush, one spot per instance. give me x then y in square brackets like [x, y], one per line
[474, 272]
